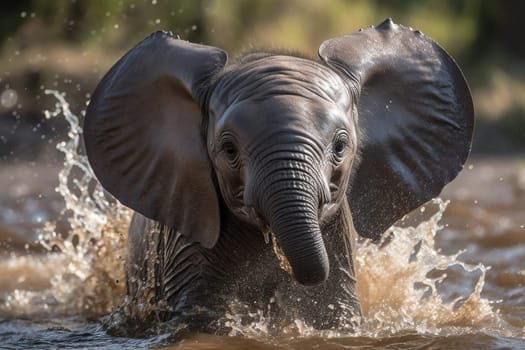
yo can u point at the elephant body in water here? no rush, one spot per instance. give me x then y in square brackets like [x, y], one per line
[218, 159]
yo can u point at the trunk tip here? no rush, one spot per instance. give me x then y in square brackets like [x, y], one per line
[312, 277]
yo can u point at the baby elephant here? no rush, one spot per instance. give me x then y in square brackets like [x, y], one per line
[218, 159]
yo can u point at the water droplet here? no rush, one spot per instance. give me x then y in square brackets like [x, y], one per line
[266, 234]
[470, 167]
[157, 21]
[23, 14]
[9, 98]
[194, 27]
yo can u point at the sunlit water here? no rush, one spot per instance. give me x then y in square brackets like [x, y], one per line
[453, 282]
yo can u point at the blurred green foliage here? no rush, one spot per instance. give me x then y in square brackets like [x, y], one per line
[466, 28]
[69, 44]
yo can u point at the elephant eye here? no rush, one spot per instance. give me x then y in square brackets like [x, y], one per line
[230, 150]
[339, 148]
[339, 145]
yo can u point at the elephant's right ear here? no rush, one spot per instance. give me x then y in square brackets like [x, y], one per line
[415, 120]
[144, 138]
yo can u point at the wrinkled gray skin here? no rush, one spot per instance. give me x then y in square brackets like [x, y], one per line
[212, 155]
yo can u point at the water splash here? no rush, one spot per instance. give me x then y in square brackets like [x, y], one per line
[87, 263]
[397, 293]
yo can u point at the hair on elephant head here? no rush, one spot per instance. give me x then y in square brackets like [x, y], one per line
[379, 124]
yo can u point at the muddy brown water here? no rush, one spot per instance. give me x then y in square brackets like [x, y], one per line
[451, 276]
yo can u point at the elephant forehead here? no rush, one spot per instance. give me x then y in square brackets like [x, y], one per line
[282, 115]
[279, 76]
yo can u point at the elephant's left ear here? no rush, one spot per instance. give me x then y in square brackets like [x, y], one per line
[415, 120]
[144, 137]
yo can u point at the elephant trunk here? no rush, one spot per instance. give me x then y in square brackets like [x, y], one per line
[288, 200]
[297, 231]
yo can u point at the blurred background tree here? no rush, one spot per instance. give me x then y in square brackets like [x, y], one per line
[67, 45]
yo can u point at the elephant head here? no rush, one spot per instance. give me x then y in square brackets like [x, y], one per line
[382, 123]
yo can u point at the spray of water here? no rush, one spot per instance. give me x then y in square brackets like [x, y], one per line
[87, 263]
[398, 295]
[398, 279]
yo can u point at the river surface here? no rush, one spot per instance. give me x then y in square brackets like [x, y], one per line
[450, 276]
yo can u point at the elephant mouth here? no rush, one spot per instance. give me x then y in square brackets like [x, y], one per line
[250, 213]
